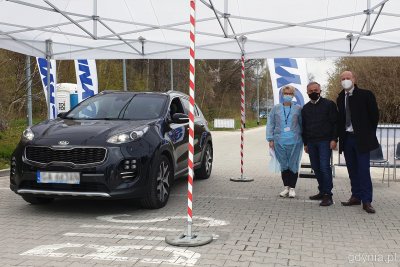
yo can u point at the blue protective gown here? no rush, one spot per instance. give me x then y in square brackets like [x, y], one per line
[284, 128]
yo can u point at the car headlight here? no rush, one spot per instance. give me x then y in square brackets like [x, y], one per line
[126, 137]
[28, 134]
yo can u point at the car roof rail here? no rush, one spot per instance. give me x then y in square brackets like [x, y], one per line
[176, 92]
[141, 92]
[111, 91]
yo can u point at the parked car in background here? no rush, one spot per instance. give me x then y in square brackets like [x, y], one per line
[112, 145]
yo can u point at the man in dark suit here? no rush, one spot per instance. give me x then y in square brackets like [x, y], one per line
[358, 120]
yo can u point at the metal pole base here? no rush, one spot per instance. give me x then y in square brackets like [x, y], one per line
[242, 179]
[189, 241]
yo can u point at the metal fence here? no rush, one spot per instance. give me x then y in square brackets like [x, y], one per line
[388, 136]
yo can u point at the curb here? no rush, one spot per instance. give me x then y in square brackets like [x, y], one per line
[5, 172]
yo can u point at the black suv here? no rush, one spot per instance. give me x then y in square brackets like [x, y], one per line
[112, 145]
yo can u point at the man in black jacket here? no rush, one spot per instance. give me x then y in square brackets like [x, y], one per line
[358, 120]
[319, 118]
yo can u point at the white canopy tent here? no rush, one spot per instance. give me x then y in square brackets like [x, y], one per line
[158, 29]
[229, 29]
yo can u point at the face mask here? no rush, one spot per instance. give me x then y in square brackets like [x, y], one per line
[314, 96]
[347, 84]
[287, 98]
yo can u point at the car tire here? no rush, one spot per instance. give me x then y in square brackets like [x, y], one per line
[161, 178]
[38, 200]
[205, 169]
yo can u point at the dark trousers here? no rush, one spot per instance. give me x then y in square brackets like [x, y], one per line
[320, 156]
[289, 178]
[358, 167]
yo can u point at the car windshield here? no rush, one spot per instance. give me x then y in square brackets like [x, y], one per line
[119, 107]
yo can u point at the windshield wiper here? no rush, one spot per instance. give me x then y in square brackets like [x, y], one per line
[91, 119]
[124, 108]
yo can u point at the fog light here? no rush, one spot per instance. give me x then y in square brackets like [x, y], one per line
[129, 164]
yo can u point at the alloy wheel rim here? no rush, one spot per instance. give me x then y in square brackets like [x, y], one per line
[208, 160]
[163, 181]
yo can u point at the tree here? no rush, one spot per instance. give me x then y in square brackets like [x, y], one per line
[217, 83]
[380, 75]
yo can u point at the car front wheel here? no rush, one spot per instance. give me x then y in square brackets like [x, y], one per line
[204, 171]
[160, 185]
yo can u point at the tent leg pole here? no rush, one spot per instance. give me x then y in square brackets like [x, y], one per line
[29, 90]
[124, 74]
[48, 57]
[172, 75]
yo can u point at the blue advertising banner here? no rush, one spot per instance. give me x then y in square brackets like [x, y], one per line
[289, 71]
[86, 77]
[42, 64]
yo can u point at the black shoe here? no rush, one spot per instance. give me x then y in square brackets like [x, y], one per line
[368, 208]
[352, 202]
[317, 197]
[326, 200]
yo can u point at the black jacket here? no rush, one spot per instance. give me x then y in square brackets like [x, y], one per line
[319, 121]
[364, 118]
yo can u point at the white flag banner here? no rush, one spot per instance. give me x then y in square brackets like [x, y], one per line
[86, 77]
[42, 64]
[289, 71]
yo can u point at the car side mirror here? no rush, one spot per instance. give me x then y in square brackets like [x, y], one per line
[61, 115]
[180, 118]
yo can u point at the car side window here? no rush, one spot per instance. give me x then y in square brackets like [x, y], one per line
[176, 107]
[186, 103]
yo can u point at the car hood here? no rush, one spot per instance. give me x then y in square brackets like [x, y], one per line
[82, 132]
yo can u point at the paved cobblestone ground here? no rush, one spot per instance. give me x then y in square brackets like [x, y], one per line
[251, 225]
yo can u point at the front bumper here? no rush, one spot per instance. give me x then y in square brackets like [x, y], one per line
[106, 180]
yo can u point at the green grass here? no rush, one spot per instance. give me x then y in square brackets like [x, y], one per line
[4, 165]
[9, 140]
[253, 123]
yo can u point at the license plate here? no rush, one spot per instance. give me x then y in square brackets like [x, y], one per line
[58, 177]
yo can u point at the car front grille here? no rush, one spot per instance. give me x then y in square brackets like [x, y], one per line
[76, 155]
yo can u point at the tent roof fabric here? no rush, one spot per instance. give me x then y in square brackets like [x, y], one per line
[159, 29]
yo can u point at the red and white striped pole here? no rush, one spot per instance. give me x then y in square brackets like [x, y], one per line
[189, 239]
[192, 72]
[243, 117]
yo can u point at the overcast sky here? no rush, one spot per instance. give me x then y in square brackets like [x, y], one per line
[320, 69]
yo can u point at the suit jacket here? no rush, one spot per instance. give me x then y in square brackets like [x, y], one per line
[364, 118]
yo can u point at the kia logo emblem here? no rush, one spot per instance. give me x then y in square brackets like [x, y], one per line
[63, 143]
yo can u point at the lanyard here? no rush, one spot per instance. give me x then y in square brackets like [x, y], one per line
[284, 111]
